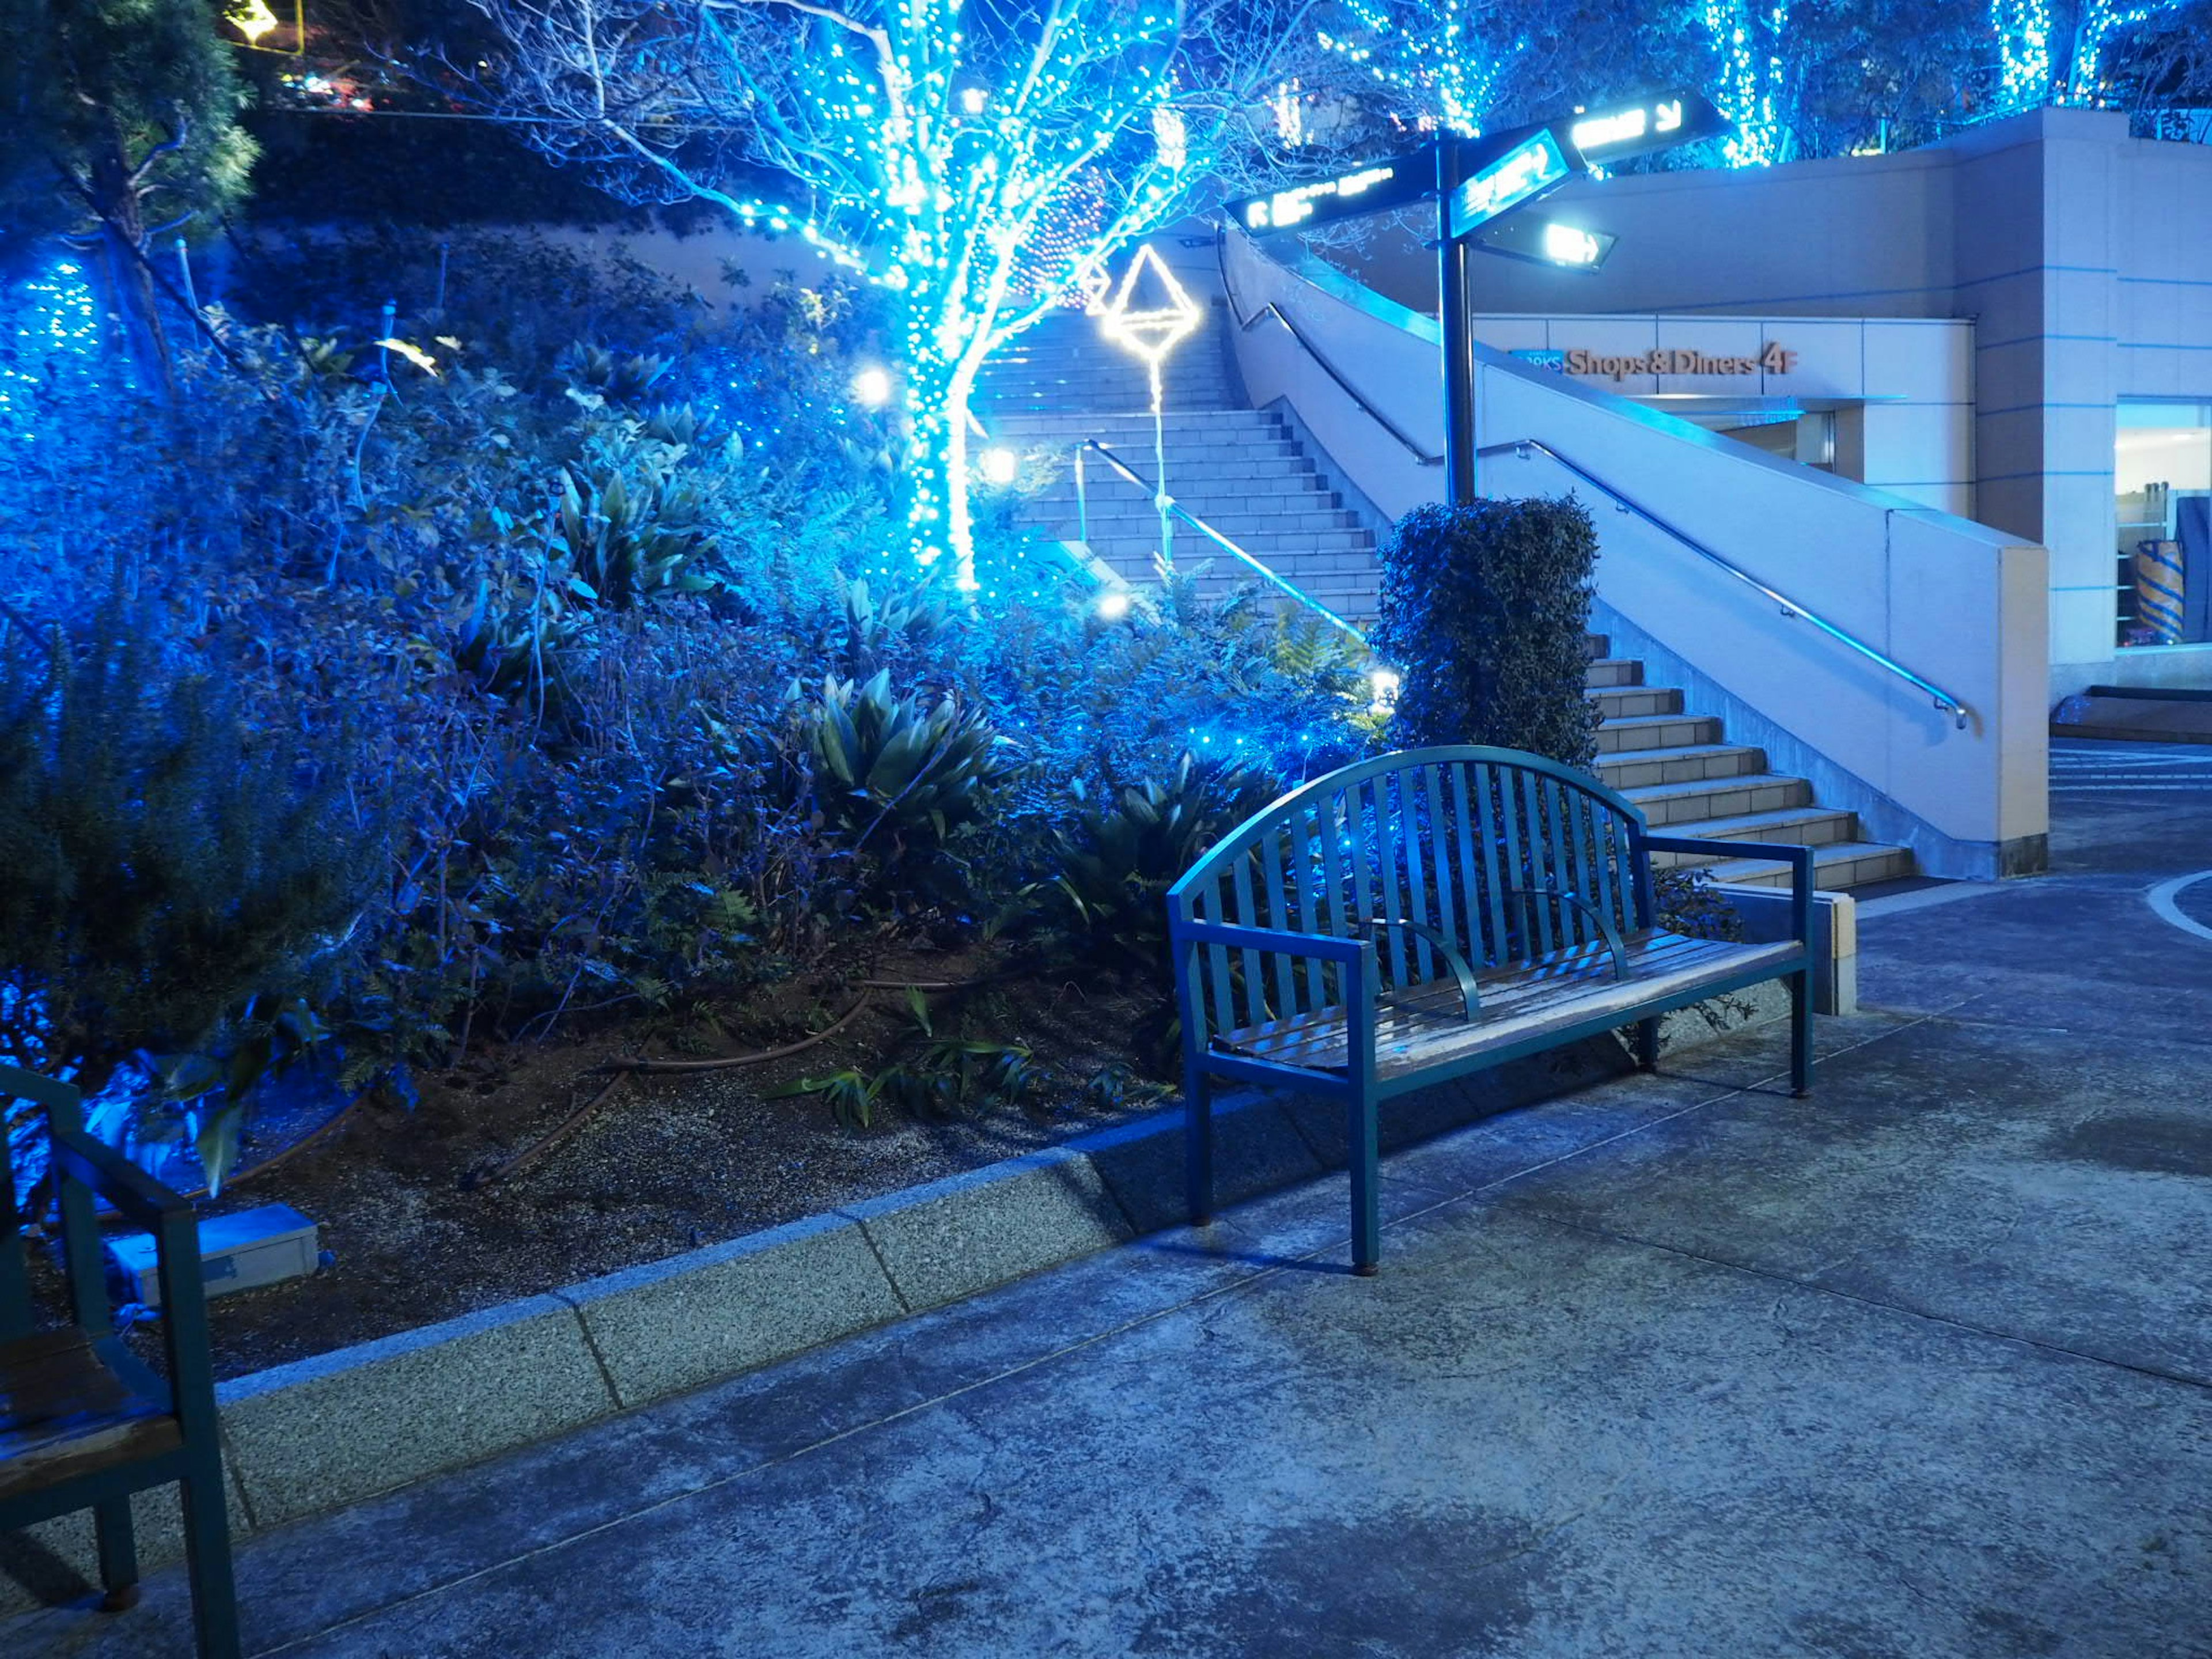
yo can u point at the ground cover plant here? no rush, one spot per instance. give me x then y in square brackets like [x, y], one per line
[494, 685]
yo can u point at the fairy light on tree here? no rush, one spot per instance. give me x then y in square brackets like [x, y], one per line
[927, 143]
[2047, 58]
[1447, 57]
[1753, 86]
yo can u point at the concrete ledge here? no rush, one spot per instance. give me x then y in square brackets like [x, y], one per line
[1765, 915]
[331, 1431]
[673, 1325]
[340, 1426]
[968, 1232]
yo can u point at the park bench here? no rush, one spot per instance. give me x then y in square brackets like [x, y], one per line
[83, 1424]
[1433, 913]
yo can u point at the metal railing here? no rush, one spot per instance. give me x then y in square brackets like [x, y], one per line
[1246, 325]
[1790, 607]
[1266, 573]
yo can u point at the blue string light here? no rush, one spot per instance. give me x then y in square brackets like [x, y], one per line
[1747, 40]
[1452, 66]
[53, 318]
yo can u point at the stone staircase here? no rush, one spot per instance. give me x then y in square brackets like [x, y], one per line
[1689, 780]
[1245, 473]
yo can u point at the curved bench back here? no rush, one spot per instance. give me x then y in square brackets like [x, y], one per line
[1446, 839]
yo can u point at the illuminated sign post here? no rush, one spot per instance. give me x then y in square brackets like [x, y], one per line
[1475, 182]
[1373, 188]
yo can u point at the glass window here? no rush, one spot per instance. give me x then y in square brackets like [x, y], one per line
[2162, 485]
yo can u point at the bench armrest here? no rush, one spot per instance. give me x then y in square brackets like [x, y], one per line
[1324, 947]
[1470, 994]
[115, 1178]
[1613, 942]
[1798, 858]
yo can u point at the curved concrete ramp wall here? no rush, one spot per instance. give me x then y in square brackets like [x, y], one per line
[1959, 603]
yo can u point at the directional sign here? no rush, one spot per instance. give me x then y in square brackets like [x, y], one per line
[1619, 131]
[1536, 165]
[1546, 242]
[1371, 189]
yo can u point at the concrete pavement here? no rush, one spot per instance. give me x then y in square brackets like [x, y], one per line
[1919, 1366]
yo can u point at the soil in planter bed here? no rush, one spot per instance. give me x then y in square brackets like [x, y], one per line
[669, 1163]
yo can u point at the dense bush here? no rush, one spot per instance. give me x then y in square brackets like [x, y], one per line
[1484, 612]
[644, 705]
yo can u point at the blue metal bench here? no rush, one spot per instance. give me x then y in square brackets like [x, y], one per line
[84, 1425]
[1433, 913]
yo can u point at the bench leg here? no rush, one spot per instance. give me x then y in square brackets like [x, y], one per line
[1647, 1044]
[118, 1554]
[1198, 1143]
[207, 1557]
[1800, 1034]
[1366, 1182]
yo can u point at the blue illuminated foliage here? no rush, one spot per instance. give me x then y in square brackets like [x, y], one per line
[1750, 39]
[978, 166]
[49, 333]
[1450, 60]
[2064, 59]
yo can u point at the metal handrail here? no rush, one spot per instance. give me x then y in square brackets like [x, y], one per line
[1271, 309]
[1790, 607]
[1203, 529]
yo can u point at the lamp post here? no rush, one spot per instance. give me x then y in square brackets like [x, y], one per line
[1152, 329]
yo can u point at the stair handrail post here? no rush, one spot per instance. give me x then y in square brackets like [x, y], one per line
[1161, 501]
[1082, 503]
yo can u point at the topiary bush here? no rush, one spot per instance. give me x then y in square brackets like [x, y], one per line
[1484, 612]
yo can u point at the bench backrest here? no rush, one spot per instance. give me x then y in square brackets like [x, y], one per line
[54, 1100]
[1439, 837]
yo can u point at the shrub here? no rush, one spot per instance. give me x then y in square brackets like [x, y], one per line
[170, 872]
[1484, 611]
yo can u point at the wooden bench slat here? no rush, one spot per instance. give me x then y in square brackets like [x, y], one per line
[1424, 1025]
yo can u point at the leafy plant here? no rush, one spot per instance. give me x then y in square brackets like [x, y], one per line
[170, 868]
[1484, 613]
[622, 542]
[1117, 860]
[899, 770]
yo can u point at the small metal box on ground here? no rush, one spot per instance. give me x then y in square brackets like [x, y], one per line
[240, 1252]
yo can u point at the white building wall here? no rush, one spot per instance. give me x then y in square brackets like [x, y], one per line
[2082, 257]
[1914, 435]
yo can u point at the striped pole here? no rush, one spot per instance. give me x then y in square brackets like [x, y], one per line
[2158, 589]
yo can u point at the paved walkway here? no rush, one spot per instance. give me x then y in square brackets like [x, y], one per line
[1921, 1366]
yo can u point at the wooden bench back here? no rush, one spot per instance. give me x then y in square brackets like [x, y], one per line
[1442, 838]
[56, 1101]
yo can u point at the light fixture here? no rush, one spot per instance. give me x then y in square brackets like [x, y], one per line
[1547, 241]
[972, 99]
[1385, 682]
[999, 466]
[1152, 325]
[871, 387]
[1113, 604]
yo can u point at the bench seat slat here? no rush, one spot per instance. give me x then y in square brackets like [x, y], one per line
[1424, 1025]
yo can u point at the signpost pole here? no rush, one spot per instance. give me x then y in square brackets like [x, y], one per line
[1455, 310]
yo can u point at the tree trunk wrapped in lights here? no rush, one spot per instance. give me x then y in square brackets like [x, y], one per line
[981, 162]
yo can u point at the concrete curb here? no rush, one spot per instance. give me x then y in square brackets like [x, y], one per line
[331, 1431]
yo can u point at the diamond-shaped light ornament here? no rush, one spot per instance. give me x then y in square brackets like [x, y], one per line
[1151, 314]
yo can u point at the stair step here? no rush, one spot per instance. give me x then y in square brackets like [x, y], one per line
[1836, 866]
[1605, 672]
[1630, 703]
[1639, 768]
[1688, 805]
[1798, 826]
[1656, 731]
